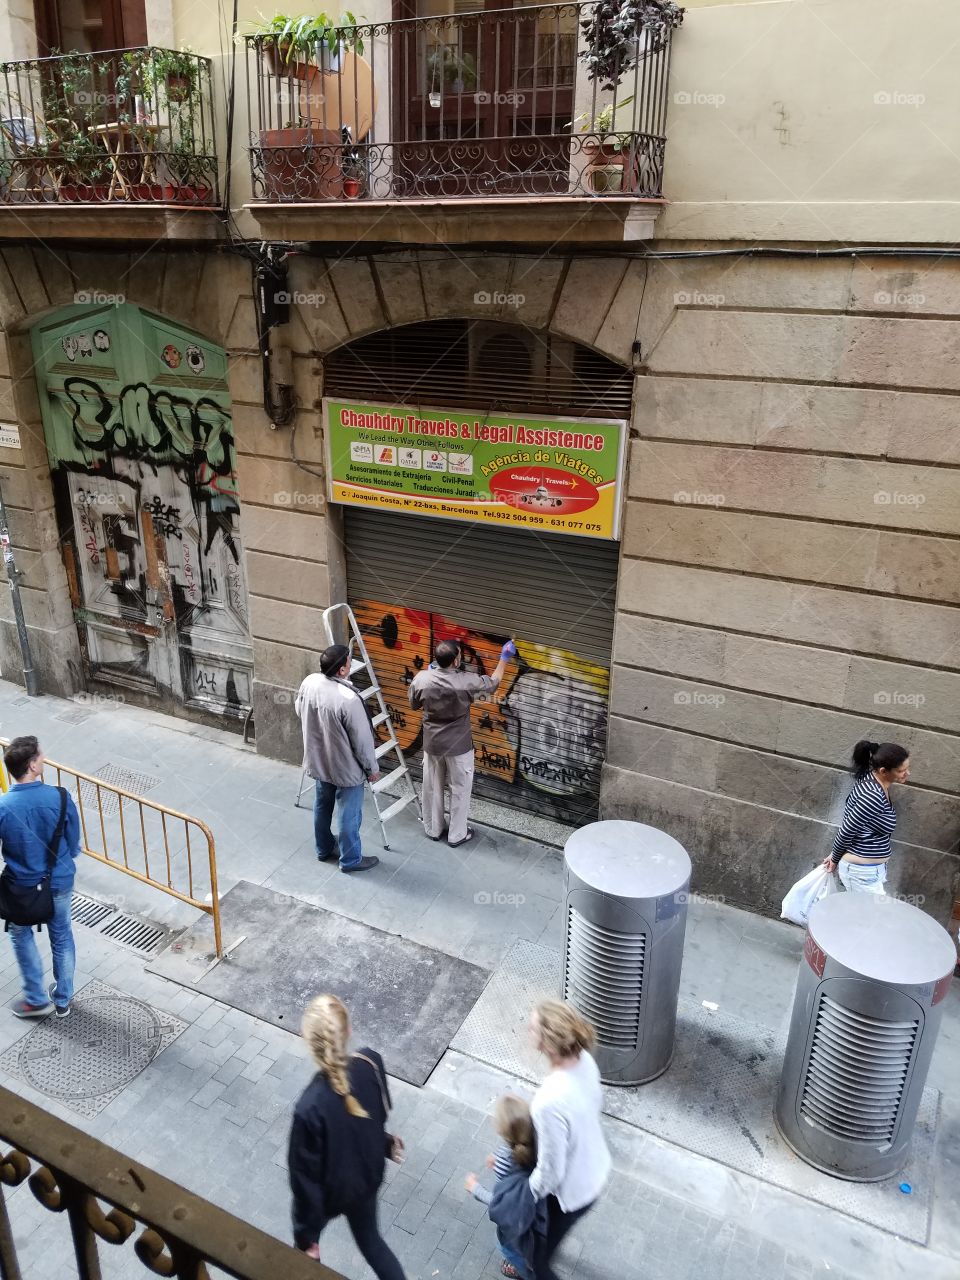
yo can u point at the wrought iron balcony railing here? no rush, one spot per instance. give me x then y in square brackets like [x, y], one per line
[108, 1199]
[131, 125]
[462, 105]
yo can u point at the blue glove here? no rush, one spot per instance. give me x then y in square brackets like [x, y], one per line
[508, 651]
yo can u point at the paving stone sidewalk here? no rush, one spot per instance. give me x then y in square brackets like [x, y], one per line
[212, 1111]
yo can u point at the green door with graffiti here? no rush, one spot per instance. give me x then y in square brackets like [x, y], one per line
[136, 415]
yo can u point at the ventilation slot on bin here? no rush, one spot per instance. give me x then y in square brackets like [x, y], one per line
[856, 1074]
[604, 978]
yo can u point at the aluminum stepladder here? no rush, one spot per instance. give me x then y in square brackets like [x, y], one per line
[399, 775]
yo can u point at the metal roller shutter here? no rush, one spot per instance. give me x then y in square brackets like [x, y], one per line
[413, 581]
[472, 363]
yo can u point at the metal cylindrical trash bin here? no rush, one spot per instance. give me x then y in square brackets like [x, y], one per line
[626, 910]
[865, 1018]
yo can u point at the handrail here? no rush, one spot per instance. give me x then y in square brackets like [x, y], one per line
[471, 105]
[211, 908]
[179, 1232]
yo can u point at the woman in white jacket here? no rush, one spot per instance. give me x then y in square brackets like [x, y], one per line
[573, 1162]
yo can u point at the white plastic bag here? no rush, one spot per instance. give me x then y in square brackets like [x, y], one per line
[811, 888]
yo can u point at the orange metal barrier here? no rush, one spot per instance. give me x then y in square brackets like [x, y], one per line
[93, 798]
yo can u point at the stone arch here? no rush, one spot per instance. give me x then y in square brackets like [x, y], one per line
[593, 301]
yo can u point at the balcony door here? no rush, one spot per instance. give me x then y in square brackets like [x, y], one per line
[483, 96]
[89, 26]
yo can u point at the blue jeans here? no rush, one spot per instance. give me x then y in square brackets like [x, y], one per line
[350, 802]
[861, 877]
[60, 931]
[513, 1256]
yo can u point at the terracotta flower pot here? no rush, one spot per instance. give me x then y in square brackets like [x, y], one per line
[280, 63]
[301, 164]
[605, 150]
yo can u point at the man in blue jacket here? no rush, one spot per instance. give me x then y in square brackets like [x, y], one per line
[29, 813]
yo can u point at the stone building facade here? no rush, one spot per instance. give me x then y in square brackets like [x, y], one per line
[787, 578]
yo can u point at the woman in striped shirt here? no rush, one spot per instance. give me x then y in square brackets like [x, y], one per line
[862, 845]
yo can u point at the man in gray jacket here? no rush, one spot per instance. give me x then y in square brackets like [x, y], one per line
[339, 754]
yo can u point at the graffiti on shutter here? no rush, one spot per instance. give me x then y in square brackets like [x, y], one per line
[543, 729]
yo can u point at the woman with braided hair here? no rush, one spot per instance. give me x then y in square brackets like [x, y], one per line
[339, 1142]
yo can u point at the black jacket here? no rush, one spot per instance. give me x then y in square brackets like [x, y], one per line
[335, 1159]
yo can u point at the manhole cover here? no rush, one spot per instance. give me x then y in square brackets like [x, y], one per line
[117, 776]
[87, 1059]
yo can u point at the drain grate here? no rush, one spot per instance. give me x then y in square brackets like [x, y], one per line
[134, 934]
[117, 776]
[89, 911]
[142, 936]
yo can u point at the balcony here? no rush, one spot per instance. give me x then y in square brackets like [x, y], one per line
[119, 142]
[467, 126]
[111, 1200]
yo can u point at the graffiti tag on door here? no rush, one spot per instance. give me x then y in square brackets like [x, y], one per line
[147, 501]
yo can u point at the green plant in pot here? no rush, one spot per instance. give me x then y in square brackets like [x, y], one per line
[288, 43]
[603, 139]
[172, 74]
[606, 149]
[68, 147]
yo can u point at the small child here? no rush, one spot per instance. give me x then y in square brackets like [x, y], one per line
[514, 1159]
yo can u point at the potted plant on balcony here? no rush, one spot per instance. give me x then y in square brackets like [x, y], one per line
[67, 144]
[618, 33]
[302, 160]
[170, 75]
[606, 150]
[282, 38]
[352, 169]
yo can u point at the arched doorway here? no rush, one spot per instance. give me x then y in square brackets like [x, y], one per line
[414, 579]
[136, 417]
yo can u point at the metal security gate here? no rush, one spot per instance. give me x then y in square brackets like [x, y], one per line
[413, 582]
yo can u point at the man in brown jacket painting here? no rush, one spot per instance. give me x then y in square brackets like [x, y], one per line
[444, 693]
